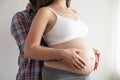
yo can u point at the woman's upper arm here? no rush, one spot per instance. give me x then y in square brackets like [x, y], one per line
[37, 27]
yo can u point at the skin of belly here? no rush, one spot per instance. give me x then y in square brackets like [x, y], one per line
[87, 54]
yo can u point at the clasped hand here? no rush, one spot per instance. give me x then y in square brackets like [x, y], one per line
[72, 58]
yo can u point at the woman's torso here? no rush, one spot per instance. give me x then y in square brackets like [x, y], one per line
[87, 54]
[78, 42]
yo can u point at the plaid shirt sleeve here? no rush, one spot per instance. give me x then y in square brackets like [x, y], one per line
[19, 30]
[28, 69]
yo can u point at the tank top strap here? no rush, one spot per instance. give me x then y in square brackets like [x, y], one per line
[53, 11]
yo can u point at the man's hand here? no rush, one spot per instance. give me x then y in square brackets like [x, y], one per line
[97, 58]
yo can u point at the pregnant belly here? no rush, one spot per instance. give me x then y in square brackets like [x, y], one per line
[87, 54]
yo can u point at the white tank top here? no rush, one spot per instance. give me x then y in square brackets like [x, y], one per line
[64, 30]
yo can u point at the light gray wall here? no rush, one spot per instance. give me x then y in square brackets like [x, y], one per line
[8, 48]
[96, 13]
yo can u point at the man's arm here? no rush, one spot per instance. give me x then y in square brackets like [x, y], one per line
[19, 29]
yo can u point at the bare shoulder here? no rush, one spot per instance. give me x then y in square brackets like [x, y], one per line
[44, 11]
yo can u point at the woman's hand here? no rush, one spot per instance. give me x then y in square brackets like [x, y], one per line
[97, 58]
[71, 57]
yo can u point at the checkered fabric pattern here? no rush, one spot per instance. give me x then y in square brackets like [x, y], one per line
[29, 69]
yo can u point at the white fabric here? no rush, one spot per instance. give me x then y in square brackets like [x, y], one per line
[64, 30]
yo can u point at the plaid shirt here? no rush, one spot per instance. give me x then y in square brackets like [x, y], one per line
[29, 69]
